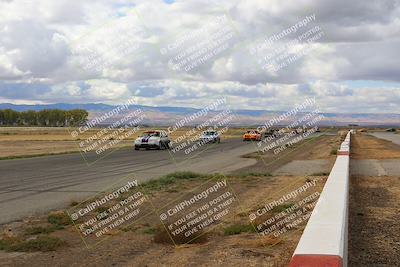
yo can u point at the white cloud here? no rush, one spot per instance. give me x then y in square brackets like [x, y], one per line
[106, 90]
[39, 40]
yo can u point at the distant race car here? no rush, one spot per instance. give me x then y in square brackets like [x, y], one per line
[153, 139]
[210, 136]
[390, 130]
[252, 135]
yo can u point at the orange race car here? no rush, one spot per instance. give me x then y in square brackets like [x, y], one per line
[252, 135]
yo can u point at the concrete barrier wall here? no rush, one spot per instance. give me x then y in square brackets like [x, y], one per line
[324, 240]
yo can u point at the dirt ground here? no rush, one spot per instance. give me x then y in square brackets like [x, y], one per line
[374, 228]
[136, 245]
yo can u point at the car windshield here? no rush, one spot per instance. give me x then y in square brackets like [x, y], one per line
[252, 132]
[209, 133]
[145, 134]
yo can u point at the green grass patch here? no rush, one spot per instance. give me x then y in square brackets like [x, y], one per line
[282, 207]
[238, 229]
[5, 243]
[59, 218]
[170, 179]
[334, 152]
[41, 243]
[150, 231]
[37, 230]
[255, 174]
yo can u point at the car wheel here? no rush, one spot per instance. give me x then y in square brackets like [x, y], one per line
[136, 148]
[162, 146]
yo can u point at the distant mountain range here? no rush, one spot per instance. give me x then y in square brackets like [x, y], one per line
[167, 115]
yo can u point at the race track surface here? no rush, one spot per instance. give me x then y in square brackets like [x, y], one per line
[36, 185]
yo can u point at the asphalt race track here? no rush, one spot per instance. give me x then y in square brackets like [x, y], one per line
[36, 185]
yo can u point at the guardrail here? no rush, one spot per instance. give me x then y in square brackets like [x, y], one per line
[324, 240]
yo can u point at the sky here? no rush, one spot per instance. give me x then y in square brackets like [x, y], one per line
[259, 54]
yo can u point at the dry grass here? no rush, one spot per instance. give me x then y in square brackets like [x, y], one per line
[369, 147]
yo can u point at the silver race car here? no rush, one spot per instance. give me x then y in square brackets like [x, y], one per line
[210, 136]
[153, 139]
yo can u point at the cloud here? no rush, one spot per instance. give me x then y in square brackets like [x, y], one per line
[105, 51]
[31, 50]
[330, 96]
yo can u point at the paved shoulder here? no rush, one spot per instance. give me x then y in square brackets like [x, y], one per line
[392, 137]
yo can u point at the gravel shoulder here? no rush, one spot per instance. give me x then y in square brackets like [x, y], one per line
[374, 229]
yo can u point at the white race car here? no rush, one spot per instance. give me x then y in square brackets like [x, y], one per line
[210, 136]
[153, 139]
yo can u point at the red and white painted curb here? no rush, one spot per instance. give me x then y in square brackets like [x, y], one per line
[324, 240]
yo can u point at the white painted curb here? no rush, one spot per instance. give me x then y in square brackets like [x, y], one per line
[324, 240]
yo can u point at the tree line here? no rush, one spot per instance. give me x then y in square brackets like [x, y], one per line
[45, 117]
